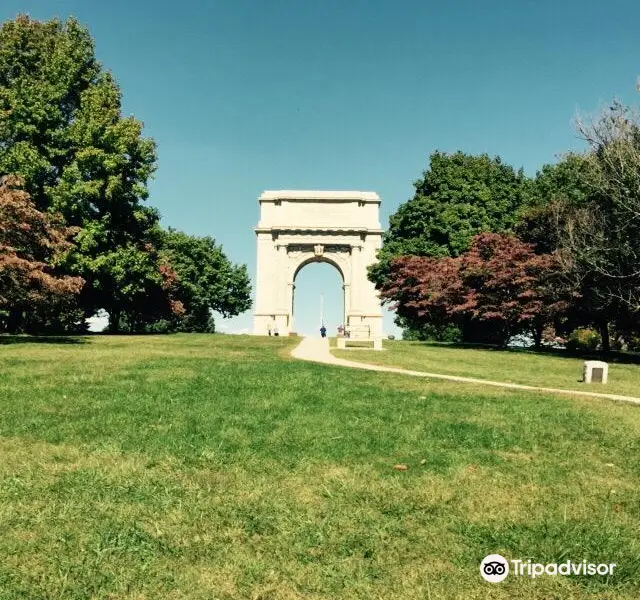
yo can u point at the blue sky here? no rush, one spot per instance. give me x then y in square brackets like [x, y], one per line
[245, 96]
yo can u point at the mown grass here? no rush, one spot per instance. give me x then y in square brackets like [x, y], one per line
[208, 467]
[512, 366]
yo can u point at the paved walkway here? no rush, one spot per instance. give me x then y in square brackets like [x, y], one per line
[317, 350]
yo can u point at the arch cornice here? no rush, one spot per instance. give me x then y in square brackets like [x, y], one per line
[314, 230]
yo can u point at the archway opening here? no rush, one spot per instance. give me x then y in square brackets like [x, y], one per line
[318, 296]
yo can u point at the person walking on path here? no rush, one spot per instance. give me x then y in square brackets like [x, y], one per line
[323, 331]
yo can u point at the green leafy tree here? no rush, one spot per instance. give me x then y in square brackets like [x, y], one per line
[62, 131]
[143, 288]
[207, 281]
[458, 197]
[556, 189]
[44, 69]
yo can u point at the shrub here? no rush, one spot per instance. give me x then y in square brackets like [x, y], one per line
[160, 326]
[583, 339]
[433, 333]
[633, 343]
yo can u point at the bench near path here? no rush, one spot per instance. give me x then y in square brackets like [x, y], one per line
[317, 350]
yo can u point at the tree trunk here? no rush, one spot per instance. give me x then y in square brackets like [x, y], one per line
[14, 320]
[505, 337]
[537, 336]
[603, 326]
[114, 320]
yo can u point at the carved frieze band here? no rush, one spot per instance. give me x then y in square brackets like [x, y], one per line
[319, 249]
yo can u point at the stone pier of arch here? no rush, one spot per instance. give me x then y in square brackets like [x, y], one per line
[298, 227]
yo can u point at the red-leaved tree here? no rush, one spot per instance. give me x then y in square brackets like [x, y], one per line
[424, 290]
[31, 244]
[510, 286]
[500, 282]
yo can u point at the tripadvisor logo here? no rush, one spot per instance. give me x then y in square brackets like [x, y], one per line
[495, 568]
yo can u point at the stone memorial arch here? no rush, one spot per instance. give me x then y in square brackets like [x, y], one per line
[300, 227]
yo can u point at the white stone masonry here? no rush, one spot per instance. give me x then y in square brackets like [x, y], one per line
[298, 227]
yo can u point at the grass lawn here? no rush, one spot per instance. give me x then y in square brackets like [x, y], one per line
[215, 467]
[512, 366]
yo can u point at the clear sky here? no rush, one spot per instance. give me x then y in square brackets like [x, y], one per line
[243, 96]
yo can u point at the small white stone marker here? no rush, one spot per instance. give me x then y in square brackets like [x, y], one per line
[595, 371]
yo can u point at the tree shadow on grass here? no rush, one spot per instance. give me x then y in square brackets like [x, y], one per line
[7, 339]
[612, 356]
